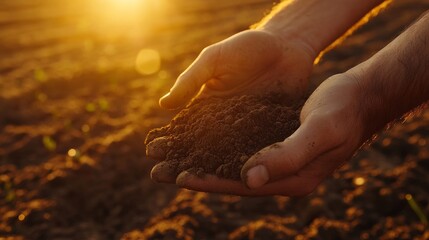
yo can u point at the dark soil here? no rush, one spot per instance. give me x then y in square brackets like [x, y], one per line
[365, 199]
[67, 82]
[218, 135]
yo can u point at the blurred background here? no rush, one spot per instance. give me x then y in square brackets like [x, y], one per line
[79, 85]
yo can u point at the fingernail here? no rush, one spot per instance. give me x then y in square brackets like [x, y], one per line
[257, 176]
[182, 179]
[163, 172]
[158, 148]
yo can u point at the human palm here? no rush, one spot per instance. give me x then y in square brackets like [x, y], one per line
[252, 61]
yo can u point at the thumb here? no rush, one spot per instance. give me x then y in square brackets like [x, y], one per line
[314, 137]
[192, 79]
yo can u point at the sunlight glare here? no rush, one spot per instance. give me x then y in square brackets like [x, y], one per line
[117, 15]
[21, 217]
[125, 4]
[148, 61]
[359, 181]
[117, 20]
[72, 152]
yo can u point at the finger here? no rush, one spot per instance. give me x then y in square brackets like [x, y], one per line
[158, 148]
[163, 172]
[191, 80]
[313, 138]
[155, 133]
[210, 183]
[327, 163]
[290, 186]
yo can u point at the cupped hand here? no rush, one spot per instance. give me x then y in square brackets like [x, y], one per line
[253, 61]
[332, 130]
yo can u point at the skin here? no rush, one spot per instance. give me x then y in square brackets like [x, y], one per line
[248, 62]
[340, 115]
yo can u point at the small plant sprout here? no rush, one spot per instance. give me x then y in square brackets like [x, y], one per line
[100, 105]
[103, 104]
[10, 193]
[416, 208]
[49, 143]
[40, 75]
[90, 107]
[6, 186]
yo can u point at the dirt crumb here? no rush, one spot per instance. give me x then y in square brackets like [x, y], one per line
[217, 135]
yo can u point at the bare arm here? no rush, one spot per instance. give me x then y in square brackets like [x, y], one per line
[280, 51]
[316, 22]
[283, 46]
[341, 114]
[396, 79]
[347, 109]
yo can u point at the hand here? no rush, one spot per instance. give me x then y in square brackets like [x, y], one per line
[248, 62]
[332, 130]
[338, 117]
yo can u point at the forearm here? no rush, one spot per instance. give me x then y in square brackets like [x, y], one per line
[316, 22]
[396, 79]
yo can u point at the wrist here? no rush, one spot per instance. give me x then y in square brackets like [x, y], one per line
[376, 103]
[315, 23]
[292, 21]
[394, 81]
[288, 37]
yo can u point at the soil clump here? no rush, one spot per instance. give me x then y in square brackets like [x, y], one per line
[217, 135]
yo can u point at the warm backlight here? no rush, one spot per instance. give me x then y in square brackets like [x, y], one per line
[116, 15]
[148, 61]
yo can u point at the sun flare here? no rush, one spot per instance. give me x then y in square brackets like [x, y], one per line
[125, 3]
[119, 14]
[148, 61]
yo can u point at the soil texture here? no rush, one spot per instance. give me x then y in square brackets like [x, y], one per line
[217, 135]
[74, 114]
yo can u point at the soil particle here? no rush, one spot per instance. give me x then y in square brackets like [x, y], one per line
[217, 135]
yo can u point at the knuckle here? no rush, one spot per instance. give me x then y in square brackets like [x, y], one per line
[211, 54]
[208, 51]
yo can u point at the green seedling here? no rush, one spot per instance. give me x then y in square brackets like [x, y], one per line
[10, 193]
[103, 104]
[49, 143]
[416, 208]
[40, 75]
[90, 107]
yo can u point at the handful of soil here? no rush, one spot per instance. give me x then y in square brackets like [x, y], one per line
[217, 135]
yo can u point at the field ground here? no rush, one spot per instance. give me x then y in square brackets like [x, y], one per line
[74, 113]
